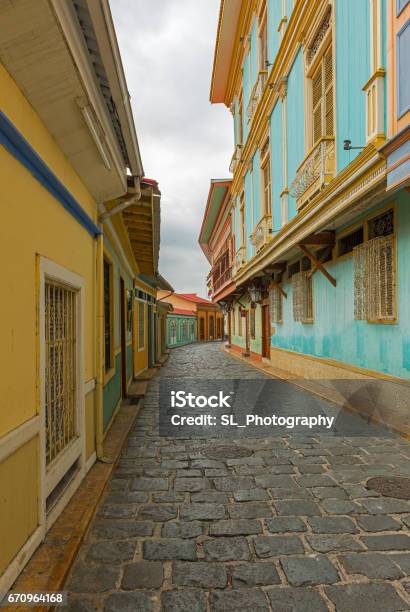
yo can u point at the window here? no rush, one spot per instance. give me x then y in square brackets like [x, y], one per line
[275, 299]
[141, 325]
[233, 319]
[302, 297]
[173, 331]
[252, 323]
[108, 346]
[322, 98]
[218, 328]
[184, 331]
[347, 243]
[239, 321]
[375, 273]
[211, 327]
[266, 179]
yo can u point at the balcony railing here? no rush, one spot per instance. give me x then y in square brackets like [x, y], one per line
[236, 158]
[222, 280]
[239, 259]
[262, 232]
[256, 93]
[316, 170]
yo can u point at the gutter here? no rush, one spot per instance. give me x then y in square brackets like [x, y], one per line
[125, 203]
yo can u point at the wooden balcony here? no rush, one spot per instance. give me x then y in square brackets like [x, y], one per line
[316, 170]
[256, 94]
[262, 232]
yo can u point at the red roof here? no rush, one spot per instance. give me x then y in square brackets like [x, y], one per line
[193, 297]
[182, 311]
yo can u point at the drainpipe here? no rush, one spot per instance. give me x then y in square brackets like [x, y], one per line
[125, 203]
[99, 424]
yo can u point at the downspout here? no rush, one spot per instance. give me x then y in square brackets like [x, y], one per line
[99, 387]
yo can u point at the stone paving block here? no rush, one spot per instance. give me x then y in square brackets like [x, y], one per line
[189, 473]
[280, 524]
[235, 527]
[183, 600]
[112, 529]
[192, 485]
[142, 575]
[392, 542]
[244, 461]
[227, 549]
[386, 505]
[292, 493]
[128, 602]
[275, 546]
[249, 510]
[216, 497]
[168, 497]
[247, 600]
[254, 574]
[329, 492]
[111, 552]
[202, 512]
[244, 495]
[315, 480]
[297, 507]
[87, 578]
[332, 524]
[199, 574]
[376, 597]
[306, 571]
[234, 483]
[378, 522]
[207, 463]
[342, 506]
[117, 511]
[181, 529]
[358, 491]
[157, 512]
[169, 549]
[274, 482]
[290, 599]
[333, 543]
[215, 472]
[371, 565]
[174, 464]
[311, 469]
[150, 484]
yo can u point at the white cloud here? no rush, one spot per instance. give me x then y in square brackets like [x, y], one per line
[167, 50]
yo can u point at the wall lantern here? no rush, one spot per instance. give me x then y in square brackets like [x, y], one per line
[255, 293]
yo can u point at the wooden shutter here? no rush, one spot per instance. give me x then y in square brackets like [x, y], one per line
[302, 297]
[317, 101]
[275, 299]
[374, 283]
[328, 92]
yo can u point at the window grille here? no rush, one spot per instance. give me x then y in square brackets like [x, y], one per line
[374, 280]
[347, 243]
[382, 225]
[275, 299]
[60, 367]
[141, 325]
[302, 297]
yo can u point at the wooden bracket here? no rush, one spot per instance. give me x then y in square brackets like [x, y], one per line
[279, 288]
[318, 263]
[321, 238]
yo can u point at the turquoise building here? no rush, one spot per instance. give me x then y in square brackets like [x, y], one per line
[181, 327]
[321, 239]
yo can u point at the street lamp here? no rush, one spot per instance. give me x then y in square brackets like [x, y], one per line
[255, 293]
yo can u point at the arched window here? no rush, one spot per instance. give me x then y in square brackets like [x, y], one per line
[172, 331]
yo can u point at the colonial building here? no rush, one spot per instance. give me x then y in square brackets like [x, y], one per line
[181, 327]
[80, 241]
[320, 221]
[209, 317]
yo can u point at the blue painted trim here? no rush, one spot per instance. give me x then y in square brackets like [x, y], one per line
[400, 111]
[400, 6]
[21, 149]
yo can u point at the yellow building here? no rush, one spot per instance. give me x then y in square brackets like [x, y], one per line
[79, 241]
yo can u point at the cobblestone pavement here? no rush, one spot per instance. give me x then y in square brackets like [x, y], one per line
[291, 527]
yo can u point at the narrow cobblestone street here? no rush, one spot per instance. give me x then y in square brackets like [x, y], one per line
[290, 527]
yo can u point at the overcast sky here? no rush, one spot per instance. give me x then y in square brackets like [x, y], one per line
[167, 50]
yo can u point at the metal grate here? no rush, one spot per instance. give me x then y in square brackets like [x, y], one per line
[302, 297]
[347, 243]
[60, 367]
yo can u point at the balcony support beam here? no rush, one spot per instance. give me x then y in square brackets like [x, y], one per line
[318, 263]
[321, 238]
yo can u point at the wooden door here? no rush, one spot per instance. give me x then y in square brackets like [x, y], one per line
[229, 327]
[266, 334]
[247, 345]
[123, 340]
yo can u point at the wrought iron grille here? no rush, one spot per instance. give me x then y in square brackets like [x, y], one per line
[275, 305]
[382, 225]
[60, 367]
[302, 297]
